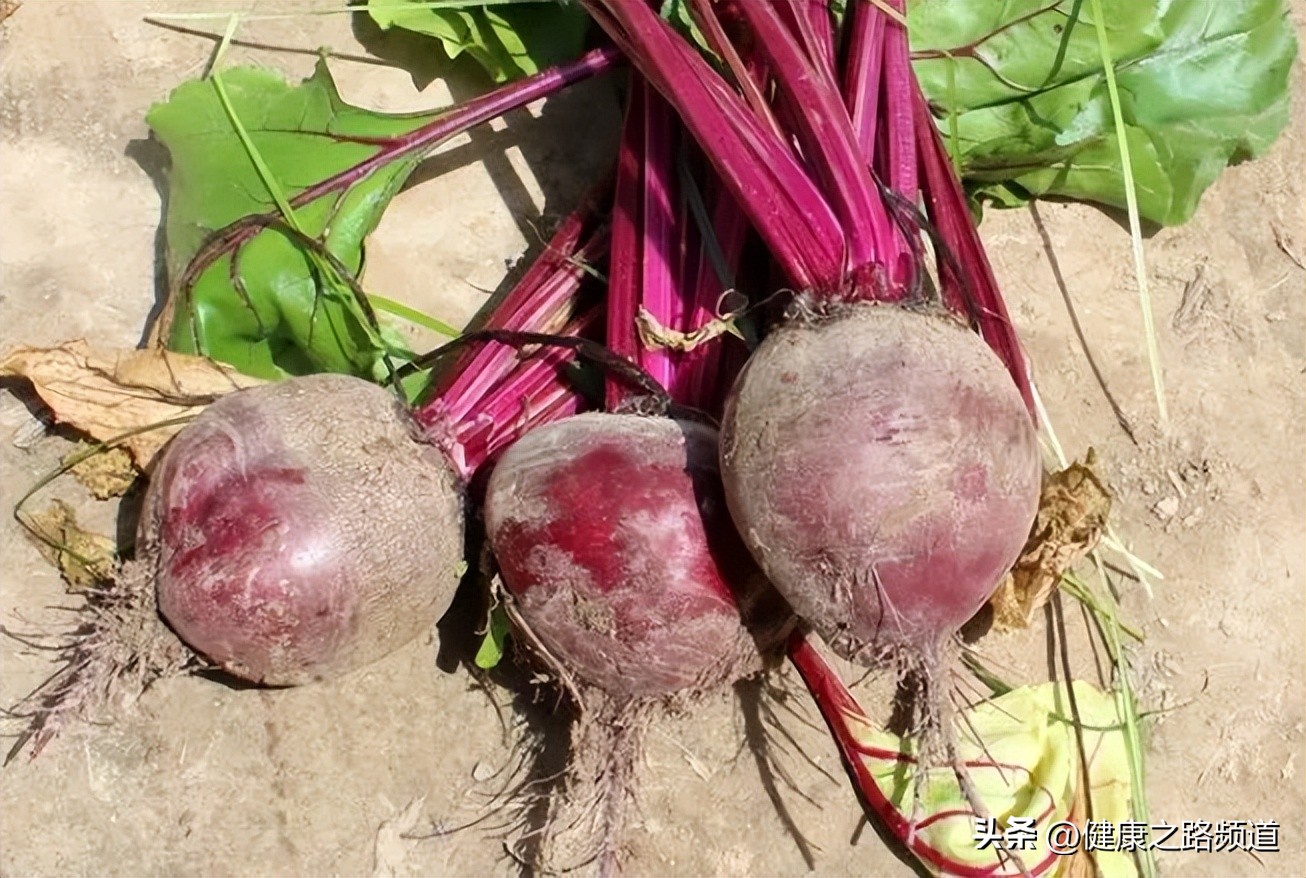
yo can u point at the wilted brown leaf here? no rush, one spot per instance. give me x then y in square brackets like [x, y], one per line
[84, 558]
[654, 336]
[106, 472]
[107, 393]
[1072, 513]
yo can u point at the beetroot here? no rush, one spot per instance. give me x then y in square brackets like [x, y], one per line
[301, 530]
[882, 469]
[615, 546]
[292, 532]
[611, 534]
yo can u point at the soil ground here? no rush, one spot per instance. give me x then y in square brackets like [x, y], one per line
[198, 778]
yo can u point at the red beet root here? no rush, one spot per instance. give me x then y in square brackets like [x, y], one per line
[302, 531]
[612, 535]
[292, 532]
[882, 469]
[614, 542]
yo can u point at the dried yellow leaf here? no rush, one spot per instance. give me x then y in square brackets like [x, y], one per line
[84, 558]
[1072, 514]
[106, 472]
[108, 393]
[654, 336]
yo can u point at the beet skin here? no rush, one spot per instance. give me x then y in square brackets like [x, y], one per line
[300, 530]
[613, 537]
[882, 468]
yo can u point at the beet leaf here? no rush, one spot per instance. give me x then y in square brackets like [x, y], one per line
[1204, 84]
[243, 290]
[509, 40]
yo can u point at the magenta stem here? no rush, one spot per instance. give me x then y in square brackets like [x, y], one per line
[972, 287]
[658, 264]
[660, 293]
[541, 301]
[705, 377]
[536, 392]
[492, 388]
[812, 25]
[863, 72]
[899, 129]
[749, 78]
[895, 159]
[624, 274]
[784, 203]
[823, 129]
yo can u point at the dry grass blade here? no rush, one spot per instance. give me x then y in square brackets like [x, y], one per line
[83, 558]
[1135, 227]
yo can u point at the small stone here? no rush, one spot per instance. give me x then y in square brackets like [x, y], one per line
[1167, 508]
[482, 772]
[28, 434]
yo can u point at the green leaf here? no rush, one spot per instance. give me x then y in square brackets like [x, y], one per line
[1202, 84]
[508, 39]
[491, 650]
[260, 301]
[1034, 753]
[677, 14]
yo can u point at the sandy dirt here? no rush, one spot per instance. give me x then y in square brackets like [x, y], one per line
[198, 778]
